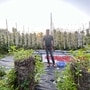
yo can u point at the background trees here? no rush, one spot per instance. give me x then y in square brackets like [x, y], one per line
[63, 40]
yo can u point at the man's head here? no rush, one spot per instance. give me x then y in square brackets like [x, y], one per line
[47, 32]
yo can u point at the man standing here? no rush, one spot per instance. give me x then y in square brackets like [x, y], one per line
[48, 44]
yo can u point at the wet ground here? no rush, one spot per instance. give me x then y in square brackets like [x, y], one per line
[7, 61]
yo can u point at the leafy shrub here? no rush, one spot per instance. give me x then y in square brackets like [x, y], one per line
[8, 82]
[21, 53]
[1, 56]
[39, 68]
[67, 79]
[2, 71]
[64, 80]
[3, 48]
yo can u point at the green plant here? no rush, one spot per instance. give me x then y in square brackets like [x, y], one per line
[25, 84]
[9, 81]
[11, 77]
[82, 59]
[3, 48]
[81, 64]
[21, 53]
[2, 71]
[39, 68]
[64, 80]
[1, 56]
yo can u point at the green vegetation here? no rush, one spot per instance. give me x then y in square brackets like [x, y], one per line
[69, 78]
[3, 44]
[22, 54]
[8, 79]
[1, 56]
[64, 80]
[2, 71]
[39, 68]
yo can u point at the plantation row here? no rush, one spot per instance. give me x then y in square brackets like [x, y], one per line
[62, 40]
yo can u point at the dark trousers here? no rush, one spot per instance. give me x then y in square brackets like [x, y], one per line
[49, 50]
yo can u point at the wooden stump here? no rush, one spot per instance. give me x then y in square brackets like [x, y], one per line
[25, 73]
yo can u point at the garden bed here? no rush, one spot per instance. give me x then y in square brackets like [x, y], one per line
[81, 77]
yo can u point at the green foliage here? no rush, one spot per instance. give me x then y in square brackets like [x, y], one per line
[87, 47]
[2, 71]
[3, 48]
[25, 84]
[9, 81]
[23, 54]
[64, 80]
[12, 49]
[80, 62]
[20, 54]
[82, 58]
[1, 56]
[39, 68]
[11, 77]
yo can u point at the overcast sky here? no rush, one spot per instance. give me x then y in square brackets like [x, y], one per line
[35, 14]
[83, 5]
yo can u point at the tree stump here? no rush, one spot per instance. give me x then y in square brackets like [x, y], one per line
[25, 73]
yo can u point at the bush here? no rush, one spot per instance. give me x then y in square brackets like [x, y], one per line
[64, 80]
[39, 68]
[2, 71]
[9, 81]
[3, 48]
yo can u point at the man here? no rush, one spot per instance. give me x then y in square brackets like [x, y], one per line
[48, 44]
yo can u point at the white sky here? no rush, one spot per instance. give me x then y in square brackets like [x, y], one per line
[35, 14]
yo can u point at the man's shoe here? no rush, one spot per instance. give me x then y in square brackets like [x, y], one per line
[54, 65]
[48, 65]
